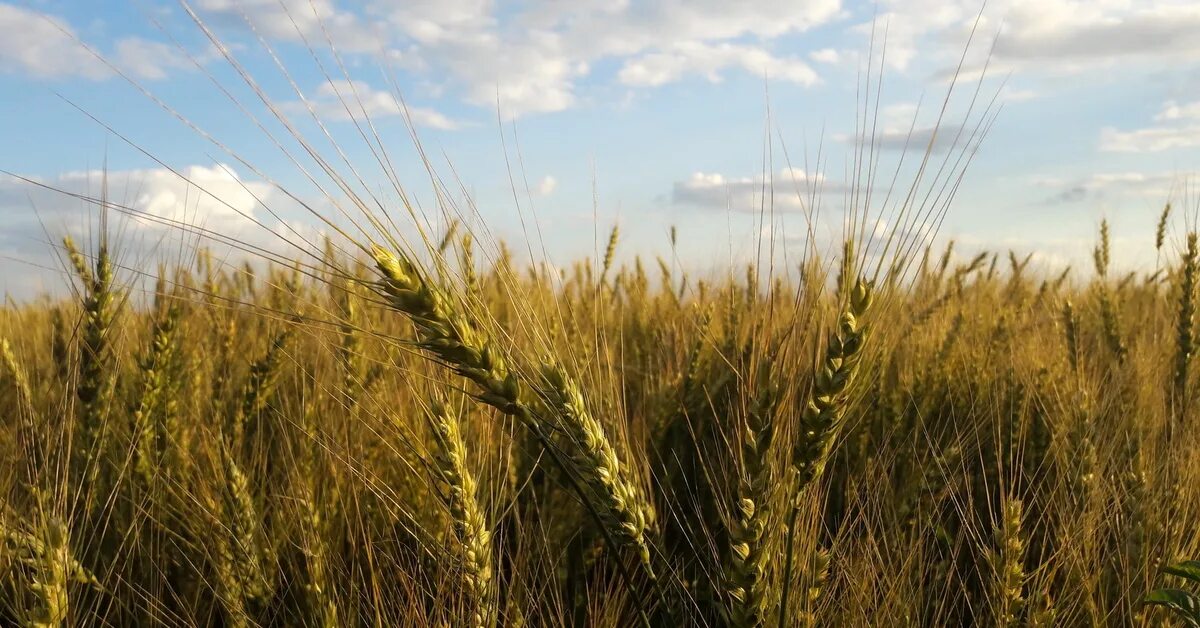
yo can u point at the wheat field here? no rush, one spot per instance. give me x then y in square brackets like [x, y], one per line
[380, 440]
[414, 426]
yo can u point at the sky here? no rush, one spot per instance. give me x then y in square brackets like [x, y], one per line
[547, 122]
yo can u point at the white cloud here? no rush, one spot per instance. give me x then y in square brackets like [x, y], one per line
[1174, 111]
[1053, 36]
[155, 213]
[659, 68]
[545, 186]
[790, 190]
[1065, 31]
[905, 127]
[213, 197]
[1149, 140]
[1012, 95]
[532, 60]
[1108, 186]
[146, 59]
[45, 46]
[346, 100]
[825, 55]
[316, 21]
[1180, 128]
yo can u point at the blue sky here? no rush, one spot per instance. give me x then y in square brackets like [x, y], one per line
[647, 114]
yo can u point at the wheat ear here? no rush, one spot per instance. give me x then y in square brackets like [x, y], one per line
[821, 419]
[1008, 561]
[624, 511]
[746, 582]
[471, 531]
[147, 429]
[455, 342]
[1185, 323]
[47, 554]
[96, 381]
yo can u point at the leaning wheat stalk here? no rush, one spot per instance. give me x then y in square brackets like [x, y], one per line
[455, 341]
[622, 507]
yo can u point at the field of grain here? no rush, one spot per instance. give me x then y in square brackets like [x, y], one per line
[402, 422]
[409, 436]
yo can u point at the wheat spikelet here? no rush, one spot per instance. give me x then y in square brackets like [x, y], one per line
[8, 360]
[821, 418]
[454, 341]
[320, 582]
[471, 531]
[1185, 344]
[1071, 331]
[467, 264]
[47, 554]
[259, 385]
[746, 581]
[1102, 254]
[815, 575]
[623, 510]
[240, 554]
[148, 428]
[1160, 230]
[1110, 321]
[449, 336]
[610, 252]
[96, 377]
[1008, 561]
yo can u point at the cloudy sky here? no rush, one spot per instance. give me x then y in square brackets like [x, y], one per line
[549, 121]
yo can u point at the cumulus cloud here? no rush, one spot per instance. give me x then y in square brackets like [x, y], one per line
[45, 46]
[545, 186]
[825, 55]
[212, 197]
[154, 212]
[1107, 186]
[1042, 35]
[902, 128]
[790, 190]
[1071, 30]
[316, 21]
[154, 215]
[346, 100]
[531, 57]
[1175, 111]
[660, 68]
[1179, 128]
